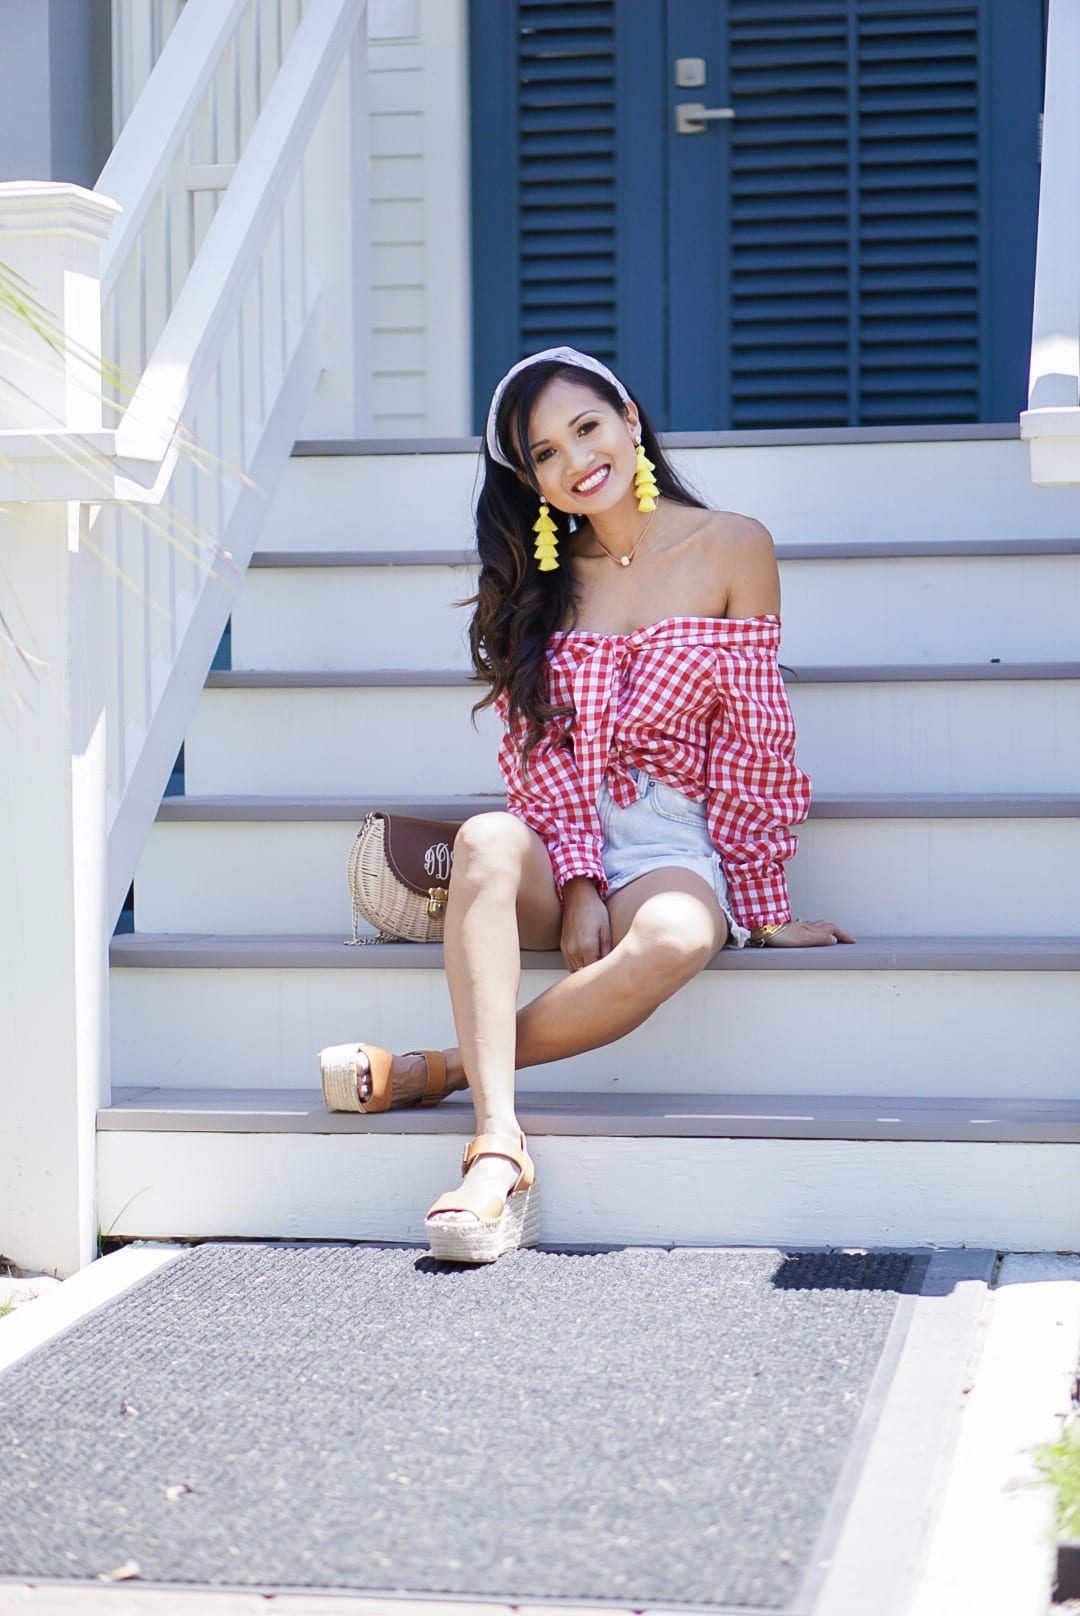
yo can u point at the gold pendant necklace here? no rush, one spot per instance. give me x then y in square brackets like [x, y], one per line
[625, 560]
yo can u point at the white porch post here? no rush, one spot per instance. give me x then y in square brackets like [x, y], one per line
[54, 933]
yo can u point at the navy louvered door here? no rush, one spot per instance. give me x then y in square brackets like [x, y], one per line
[853, 246]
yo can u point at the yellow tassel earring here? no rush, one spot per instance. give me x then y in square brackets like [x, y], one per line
[546, 552]
[644, 482]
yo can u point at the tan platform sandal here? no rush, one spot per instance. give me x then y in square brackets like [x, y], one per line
[500, 1226]
[341, 1078]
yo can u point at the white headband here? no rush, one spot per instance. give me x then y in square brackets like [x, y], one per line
[565, 356]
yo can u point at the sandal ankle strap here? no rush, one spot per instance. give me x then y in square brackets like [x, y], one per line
[494, 1144]
[435, 1082]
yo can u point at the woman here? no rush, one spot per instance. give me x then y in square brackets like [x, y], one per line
[629, 636]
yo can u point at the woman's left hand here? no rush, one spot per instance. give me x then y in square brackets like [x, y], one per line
[808, 934]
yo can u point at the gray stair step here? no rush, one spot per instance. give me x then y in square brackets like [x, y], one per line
[963, 432]
[828, 550]
[160, 951]
[862, 673]
[883, 805]
[682, 1116]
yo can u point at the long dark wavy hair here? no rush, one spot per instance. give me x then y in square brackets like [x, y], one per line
[518, 607]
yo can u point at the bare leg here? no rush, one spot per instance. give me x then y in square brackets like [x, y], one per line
[665, 926]
[595, 1006]
[502, 896]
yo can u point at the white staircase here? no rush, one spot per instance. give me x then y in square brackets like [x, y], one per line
[921, 1085]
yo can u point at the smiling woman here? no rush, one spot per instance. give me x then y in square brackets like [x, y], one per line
[628, 636]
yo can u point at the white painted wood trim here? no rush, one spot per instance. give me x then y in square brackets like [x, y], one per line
[1054, 378]
[705, 1192]
[1051, 422]
[447, 244]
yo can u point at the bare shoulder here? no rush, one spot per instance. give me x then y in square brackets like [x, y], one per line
[744, 556]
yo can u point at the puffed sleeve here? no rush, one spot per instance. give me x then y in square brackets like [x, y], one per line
[755, 790]
[552, 801]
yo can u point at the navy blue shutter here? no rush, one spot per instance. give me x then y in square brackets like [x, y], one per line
[922, 254]
[856, 257]
[566, 185]
[566, 174]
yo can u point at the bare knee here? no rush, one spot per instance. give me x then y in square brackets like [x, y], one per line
[490, 849]
[675, 935]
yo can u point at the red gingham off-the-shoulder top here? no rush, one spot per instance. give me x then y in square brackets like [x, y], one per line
[697, 702]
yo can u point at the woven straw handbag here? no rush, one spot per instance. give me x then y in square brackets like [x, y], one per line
[399, 875]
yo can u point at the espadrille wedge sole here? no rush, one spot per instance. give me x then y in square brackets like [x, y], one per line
[518, 1225]
[340, 1077]
[341, 1087]
[484, 1237]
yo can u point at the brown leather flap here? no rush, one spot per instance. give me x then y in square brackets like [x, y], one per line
[420, 851]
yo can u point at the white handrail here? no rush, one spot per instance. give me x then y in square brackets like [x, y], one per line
[210, 301]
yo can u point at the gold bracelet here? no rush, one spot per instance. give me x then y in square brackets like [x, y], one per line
[758, 934]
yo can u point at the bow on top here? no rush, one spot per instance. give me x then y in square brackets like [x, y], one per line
[597, 680]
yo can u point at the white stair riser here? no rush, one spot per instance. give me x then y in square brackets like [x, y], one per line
[802, 492]
[911, 610]
[887, 877]
[946, 735]
[964, 1033]
[705, 1192]
[922, 610]
[334, 618]
[373, 502]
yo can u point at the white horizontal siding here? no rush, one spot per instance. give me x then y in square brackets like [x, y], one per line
[397, 264]
[402, 348]
[395, 134]
[419, 224]
[396, 178]
[398, 308]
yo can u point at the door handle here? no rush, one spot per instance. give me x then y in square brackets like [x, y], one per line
[692, 117]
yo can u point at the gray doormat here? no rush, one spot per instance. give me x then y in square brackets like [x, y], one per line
[638, 1426]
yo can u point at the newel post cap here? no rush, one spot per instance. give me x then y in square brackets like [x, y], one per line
[54, 207]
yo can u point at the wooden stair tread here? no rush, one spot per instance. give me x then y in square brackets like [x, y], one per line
[613, 1114]
[877, 805]
[440, 678]
[158, 951]
[946, 548]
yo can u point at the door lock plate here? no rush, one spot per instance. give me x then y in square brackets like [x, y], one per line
[689, 72]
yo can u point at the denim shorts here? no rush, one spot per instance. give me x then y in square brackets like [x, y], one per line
[662, 828]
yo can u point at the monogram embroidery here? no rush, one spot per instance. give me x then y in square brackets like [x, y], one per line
[437, 861]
